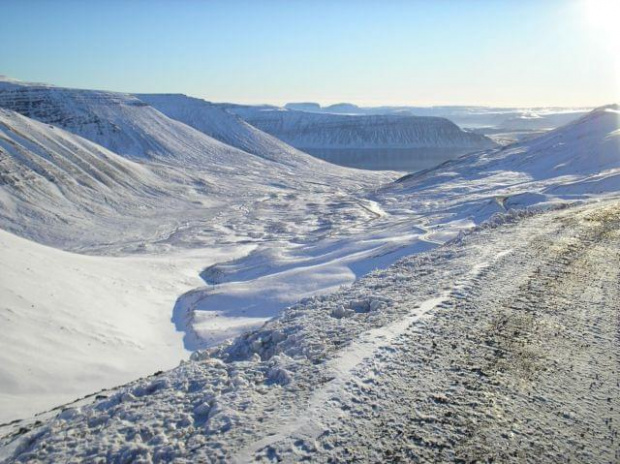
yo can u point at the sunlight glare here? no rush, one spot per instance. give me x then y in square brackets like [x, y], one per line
[603, 18]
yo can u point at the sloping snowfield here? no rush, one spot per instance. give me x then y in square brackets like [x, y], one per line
[66, 319]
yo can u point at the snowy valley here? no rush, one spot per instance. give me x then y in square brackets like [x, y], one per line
[300, 297]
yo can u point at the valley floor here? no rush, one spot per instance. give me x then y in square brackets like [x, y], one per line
[500, 345]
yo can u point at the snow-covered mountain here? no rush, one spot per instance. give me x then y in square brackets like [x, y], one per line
[401, 142]
[155, 175]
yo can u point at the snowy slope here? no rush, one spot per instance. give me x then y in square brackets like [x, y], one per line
[127, 126]
[310, 383]
[578, 159]
[504, 337]
[311, 240]
[401, 142]
[74, 324]
[57, 187]
[226, 127]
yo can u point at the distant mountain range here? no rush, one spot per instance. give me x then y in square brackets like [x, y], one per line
[465, 116]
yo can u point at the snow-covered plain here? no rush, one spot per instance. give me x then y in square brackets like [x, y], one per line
[232, 253]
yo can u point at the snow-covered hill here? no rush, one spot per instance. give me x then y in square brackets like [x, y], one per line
[155, 175]
[578, 160]
[400, 142]
[119, 122]
[134, 129]
[56, 187]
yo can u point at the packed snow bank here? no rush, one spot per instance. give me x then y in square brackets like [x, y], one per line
[73, 324]
[251, 290]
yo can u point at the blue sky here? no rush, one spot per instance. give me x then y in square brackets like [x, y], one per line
[488, 52]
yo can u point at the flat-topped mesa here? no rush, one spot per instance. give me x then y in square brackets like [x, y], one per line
[394, 141]
[361, 131]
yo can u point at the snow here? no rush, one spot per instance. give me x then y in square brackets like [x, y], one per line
[578, 161]
[206, 267]
[68, 192]
[61, 189]
[74, 324]
[313, 384]
[213, 120]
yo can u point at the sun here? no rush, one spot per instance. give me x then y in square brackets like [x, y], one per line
[603, 20]
[604, 17]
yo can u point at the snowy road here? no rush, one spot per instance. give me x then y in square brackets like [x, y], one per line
[521, 367]
[500, 345]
